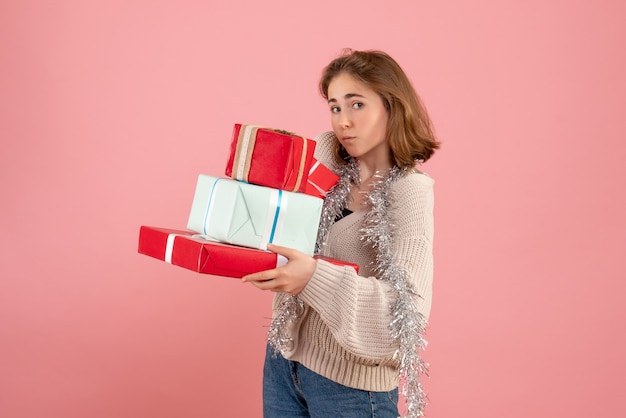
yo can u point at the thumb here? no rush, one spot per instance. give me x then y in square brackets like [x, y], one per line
[284, 251]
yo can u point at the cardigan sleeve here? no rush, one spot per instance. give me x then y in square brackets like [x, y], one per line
[325, 150]
[356, 309]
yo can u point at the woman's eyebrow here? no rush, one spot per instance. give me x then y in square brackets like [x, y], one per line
[347, 96]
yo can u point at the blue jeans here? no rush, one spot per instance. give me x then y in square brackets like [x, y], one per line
[291, 390]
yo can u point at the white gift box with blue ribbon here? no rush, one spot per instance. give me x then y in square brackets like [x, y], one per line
[250, 215]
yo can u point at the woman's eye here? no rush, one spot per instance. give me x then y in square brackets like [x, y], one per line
[334, 109]
[357, 105]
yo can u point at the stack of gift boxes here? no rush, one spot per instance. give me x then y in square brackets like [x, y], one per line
[272, 193]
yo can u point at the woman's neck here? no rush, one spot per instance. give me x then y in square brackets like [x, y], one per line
[369, 169]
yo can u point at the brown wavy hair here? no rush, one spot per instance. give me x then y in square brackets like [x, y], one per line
[410, 134]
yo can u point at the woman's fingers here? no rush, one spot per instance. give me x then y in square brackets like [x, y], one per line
[260, 276]
[287, 252]
[289, 278]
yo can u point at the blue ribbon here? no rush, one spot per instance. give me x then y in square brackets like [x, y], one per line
[206, 214]
[280, 197]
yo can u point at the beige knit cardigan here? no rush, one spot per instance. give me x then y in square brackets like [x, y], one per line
[344, 332]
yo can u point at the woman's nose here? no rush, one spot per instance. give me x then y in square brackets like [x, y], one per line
[344, 120]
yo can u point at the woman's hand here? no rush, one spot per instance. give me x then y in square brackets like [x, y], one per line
[290, 278]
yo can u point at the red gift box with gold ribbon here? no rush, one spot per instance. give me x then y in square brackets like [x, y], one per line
[270, 157]
[189, 250]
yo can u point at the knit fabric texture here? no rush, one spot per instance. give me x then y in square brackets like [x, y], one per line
[344, 332]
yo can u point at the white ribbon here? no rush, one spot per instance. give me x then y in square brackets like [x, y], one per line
[169, 247]
[314, 167]
[315, 186]
[274, 221]
[204, 237]
[281, 260]
[321, 191]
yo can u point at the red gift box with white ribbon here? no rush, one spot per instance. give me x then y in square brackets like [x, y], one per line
[189, 250]
[321, 179]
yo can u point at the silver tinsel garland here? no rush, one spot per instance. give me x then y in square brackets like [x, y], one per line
[408, 324]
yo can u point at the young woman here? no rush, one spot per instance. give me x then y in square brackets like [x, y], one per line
[340, 343]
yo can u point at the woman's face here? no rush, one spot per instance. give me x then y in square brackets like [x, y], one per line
[359, 118]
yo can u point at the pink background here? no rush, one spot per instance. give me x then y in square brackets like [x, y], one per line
[110, 109]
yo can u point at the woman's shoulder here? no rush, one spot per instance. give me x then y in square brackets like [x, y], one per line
[415, 186]
[415, 179]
